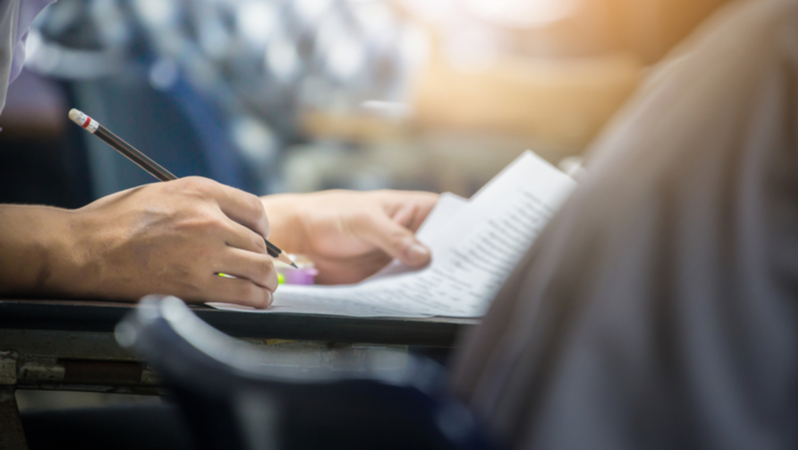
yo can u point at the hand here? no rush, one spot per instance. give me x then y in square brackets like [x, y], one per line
[351, 235]
[171, 238]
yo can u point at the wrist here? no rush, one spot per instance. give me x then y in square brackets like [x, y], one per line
[64, 269]
[37, 256]
[76, 260]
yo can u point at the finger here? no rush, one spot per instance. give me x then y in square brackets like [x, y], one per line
[239, 236]
[238, 291]
[406, 216]
[409, 208]
[425, 201]
[399, 242]
[242, 207]
[256, 267]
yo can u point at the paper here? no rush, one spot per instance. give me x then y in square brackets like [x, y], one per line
[475, 245]
[434, 226]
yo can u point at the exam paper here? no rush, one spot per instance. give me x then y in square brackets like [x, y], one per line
[475, 245]
[434, 226]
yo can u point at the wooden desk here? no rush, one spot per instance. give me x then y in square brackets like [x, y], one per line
[70, 345]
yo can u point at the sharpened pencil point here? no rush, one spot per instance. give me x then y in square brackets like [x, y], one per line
[282, 257]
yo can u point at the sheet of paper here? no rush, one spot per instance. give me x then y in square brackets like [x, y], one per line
[473, 253]
[434, 226]
[439, 218]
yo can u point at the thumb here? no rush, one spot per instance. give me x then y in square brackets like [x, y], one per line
[394, 239]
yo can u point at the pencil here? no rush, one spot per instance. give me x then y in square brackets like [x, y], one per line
[150, 166]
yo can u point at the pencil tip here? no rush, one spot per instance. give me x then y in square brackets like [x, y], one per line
[284, 258]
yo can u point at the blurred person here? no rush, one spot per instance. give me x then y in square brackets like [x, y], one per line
[658, 309]
[174, 237]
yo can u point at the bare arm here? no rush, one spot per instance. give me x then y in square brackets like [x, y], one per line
[35, 256]
[169, 238]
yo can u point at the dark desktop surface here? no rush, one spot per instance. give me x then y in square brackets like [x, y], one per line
[102, 316]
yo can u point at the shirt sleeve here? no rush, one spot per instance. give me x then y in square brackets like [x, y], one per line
[16, 17]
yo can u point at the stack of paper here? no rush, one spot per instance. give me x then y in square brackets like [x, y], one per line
[475, 245]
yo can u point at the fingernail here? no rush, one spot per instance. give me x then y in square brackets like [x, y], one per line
[418, 253]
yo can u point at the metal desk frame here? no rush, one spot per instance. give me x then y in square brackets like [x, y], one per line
[70, 345]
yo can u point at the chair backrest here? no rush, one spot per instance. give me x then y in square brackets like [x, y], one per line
[234, 398]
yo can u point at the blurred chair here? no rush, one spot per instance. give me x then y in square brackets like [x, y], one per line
[232, 397]
[176, 126]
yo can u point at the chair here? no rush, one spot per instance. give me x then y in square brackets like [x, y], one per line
[233, 398]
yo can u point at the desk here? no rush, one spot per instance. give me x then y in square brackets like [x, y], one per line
[69, 344]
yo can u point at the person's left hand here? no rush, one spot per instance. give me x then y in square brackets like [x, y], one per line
[351, 235]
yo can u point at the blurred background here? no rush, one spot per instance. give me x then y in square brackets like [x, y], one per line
[301, 95]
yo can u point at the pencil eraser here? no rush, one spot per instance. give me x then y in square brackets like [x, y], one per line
[83, 121]
[77, 116]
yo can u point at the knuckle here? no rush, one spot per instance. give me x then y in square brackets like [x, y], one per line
[266, 267]
[252, 201]
[190, 182]
[259, 214]
[207, 223]
[268, 299]
[200, 185]
[255, 203]
[262, 297]
[272, 281]
[253, 208]
[259, 244]
[399, 241]
[399, 234]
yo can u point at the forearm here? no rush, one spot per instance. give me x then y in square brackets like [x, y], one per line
[35, 254]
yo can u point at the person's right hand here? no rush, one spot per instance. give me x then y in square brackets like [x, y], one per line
[172, 238]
